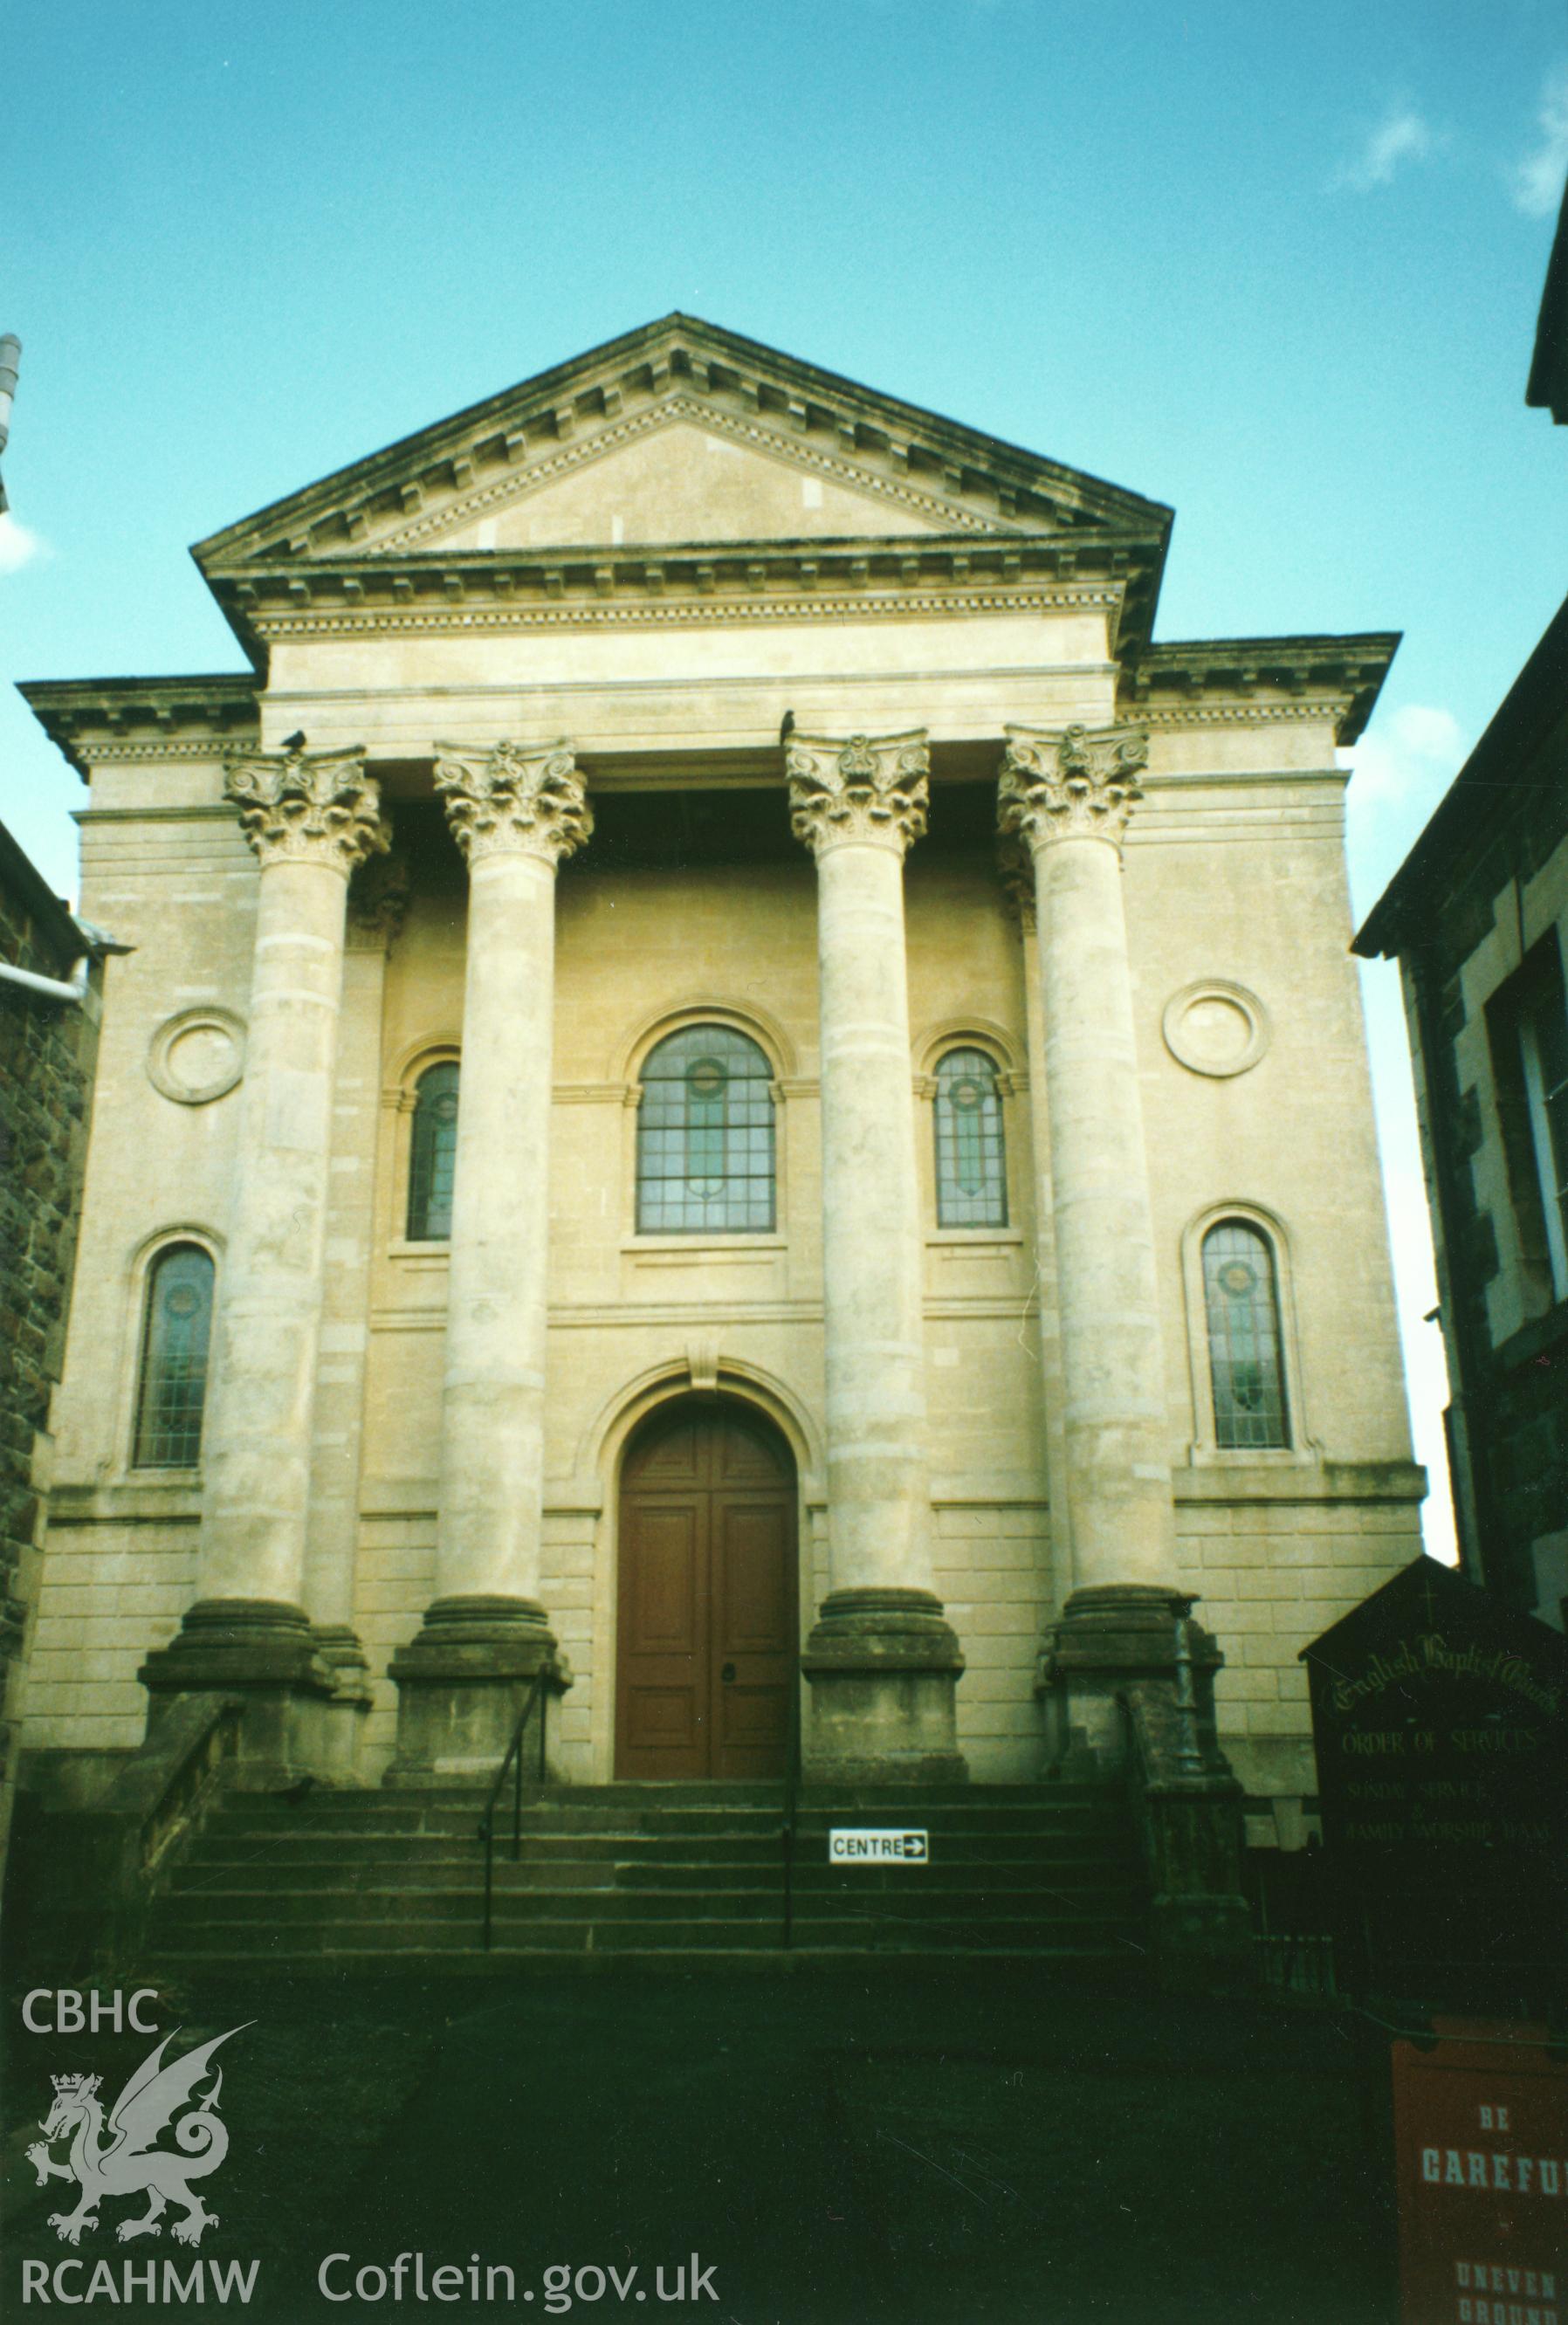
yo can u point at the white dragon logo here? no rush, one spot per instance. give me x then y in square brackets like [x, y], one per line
[126, 2163]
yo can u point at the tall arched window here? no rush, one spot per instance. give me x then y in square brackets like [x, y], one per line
[171, 1391]
[432, 1155]
[705, 1160]
[971, 1165]
[1245, 1357]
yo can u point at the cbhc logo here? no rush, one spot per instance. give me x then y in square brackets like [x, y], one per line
[81, 2014]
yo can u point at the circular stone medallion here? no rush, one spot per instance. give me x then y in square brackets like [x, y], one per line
[1217, 1028]
[198, 1055]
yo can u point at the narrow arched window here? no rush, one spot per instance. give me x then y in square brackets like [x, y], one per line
[1246, 1359]
[971, 1165]
[432, 1156]
[705, 1145]
[171, 1391]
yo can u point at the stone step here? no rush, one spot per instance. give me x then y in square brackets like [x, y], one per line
[656, 1871]
[699, 1935]
[275, 1908]
[668, 1960]
[223, 1845]
[438, 1902]
[233, 1822]
[208, 1871]
[739, 1799]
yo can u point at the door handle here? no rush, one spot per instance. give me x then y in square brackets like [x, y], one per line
[727, 1674]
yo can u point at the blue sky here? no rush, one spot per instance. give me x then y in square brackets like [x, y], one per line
[1278, 266]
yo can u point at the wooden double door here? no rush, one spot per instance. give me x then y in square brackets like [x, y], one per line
[707, 1633]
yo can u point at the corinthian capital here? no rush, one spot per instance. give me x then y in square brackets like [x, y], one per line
[868, 787]
[511, 801]
[316, 807]
[1078, 784]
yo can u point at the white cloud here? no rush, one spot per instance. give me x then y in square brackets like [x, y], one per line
[1538, 179]
[1400, 770]
[1410, 756]
[1402, 135]
[18, 546]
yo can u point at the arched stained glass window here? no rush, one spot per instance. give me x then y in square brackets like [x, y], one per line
[433, 1155]
[1245, 1362]
[705, 1147]
[173, 1389]
[972, 1167]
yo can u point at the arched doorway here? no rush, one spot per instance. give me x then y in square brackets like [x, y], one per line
[708, 1636]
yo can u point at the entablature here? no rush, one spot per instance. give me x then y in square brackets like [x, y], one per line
[96, 720]
[684, 585]
[1260, 682]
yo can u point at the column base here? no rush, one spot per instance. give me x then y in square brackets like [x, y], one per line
[461, 1687]
[264, 1651]
[882, 1666]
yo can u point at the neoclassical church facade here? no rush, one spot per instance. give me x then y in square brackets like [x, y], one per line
[729, 1086]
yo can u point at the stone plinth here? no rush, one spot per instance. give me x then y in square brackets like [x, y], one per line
[463, 1684]
[882, 1665]
[264, 1653]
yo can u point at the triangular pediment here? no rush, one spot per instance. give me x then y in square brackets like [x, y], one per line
[677, 472]
[683, 432]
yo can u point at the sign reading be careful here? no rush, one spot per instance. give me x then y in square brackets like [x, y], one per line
[877, 1845]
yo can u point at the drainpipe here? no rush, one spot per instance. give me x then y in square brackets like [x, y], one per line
[95, 945]
[10, 359]
[53, 988]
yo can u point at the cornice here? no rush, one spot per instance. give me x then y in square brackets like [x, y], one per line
[133, 720]
[1198, 682]
[686, 584]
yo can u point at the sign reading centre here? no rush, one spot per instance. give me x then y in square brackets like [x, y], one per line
[850, 1844]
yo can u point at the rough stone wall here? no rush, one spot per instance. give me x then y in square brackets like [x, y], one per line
[47, 1054]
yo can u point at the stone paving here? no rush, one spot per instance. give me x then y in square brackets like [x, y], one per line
[881, 2147]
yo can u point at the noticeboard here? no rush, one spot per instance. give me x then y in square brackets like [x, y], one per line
[1439, 1720]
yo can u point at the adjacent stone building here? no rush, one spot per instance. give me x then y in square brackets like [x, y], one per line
[1477, 916]
[50, 1013]
[727, 1072]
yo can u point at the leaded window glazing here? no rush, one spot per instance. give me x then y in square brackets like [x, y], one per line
[705, 1137]
[434, 1155]
[1544, 1055]
[1241, 1298]
[971, 1169]
[171, 1392]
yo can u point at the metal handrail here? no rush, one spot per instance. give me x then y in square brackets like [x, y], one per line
[538, 1693]
[791, 1813]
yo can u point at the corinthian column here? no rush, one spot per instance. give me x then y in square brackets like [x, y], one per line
[882, 1660]
[516, 813]
[311, 818]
